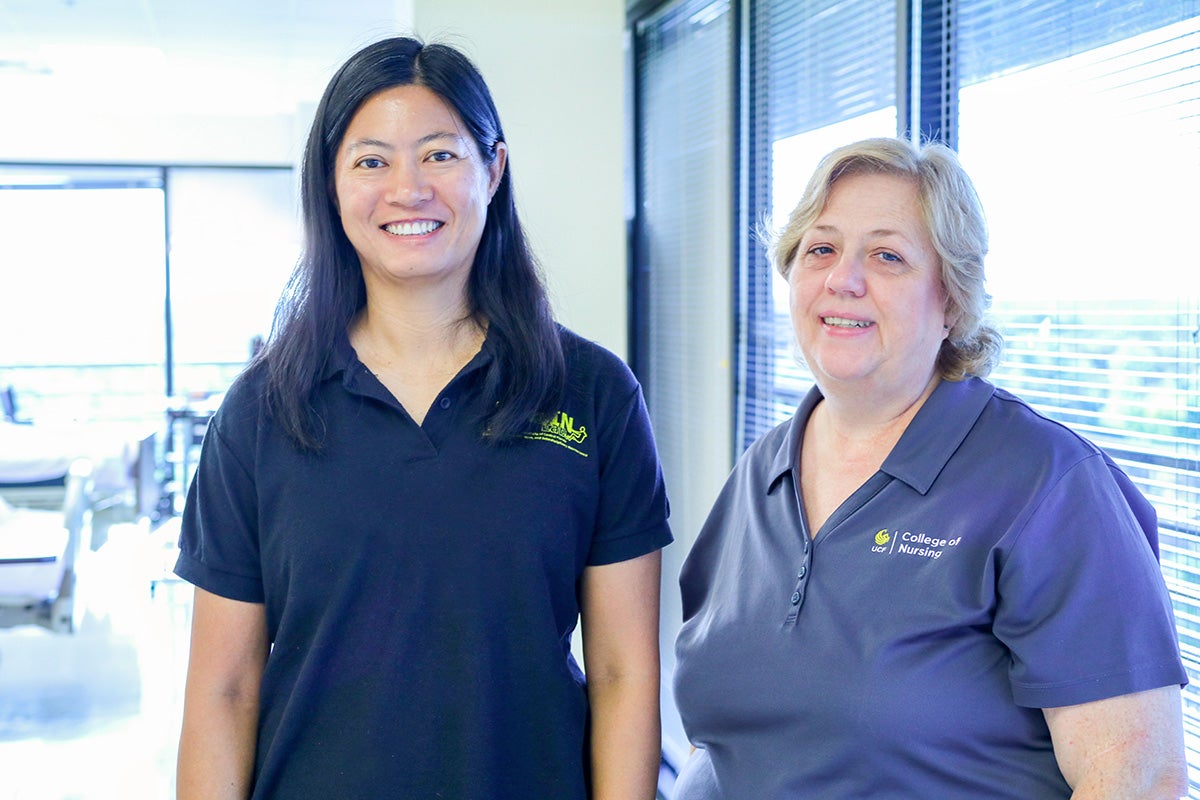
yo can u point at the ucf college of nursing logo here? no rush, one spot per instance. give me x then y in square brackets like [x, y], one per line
[907, 543]
[560, 429]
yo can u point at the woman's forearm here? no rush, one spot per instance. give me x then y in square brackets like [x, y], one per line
[216, 748]
[221, 699]
[1125, 746]
[620, 650]
[626, 745]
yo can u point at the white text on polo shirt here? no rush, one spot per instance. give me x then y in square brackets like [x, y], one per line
[911, 544]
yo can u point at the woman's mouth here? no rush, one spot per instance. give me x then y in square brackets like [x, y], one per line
[843, 322]
[418, 228]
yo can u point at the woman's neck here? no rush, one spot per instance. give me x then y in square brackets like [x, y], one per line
[414, 318]
[390, 337]
[858, 420]
[415, 352]
[845, 443]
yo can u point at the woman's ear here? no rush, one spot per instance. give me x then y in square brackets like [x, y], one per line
[496, 169]
[949, 320]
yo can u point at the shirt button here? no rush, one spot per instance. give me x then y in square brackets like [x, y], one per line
[803, 572]
[445, 403]
[795, 598]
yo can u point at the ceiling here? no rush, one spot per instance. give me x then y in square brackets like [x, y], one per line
[192, 56]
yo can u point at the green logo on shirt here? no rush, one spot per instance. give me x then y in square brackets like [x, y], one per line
[560, 429]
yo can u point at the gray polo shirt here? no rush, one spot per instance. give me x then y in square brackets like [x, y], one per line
[997, 564]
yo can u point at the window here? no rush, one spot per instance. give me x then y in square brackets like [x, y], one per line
[1080, 124]
[825, 73]
[1080, 127]
[81, 312]
[96, 326]
[683, 241]
[1093, 281]
[234, 242]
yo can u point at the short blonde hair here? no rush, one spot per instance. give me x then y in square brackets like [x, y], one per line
[954, 216]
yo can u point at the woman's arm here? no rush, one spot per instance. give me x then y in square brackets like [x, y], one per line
[220, 707]
[620, 654]
[1126, 746]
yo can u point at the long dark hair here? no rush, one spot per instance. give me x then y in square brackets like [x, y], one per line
[505, 288]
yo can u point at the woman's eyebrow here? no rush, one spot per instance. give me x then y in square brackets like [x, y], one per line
[358, 144]
[432, 137]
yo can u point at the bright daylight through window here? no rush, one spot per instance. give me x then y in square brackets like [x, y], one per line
[1087, 165]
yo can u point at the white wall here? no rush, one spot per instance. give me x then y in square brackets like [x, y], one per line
[556, 70]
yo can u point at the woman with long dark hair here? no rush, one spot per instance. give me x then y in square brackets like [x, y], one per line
[412, 494]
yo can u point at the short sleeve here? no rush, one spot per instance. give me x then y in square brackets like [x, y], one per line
[218, 540]
[1082, 604]
[633, 510]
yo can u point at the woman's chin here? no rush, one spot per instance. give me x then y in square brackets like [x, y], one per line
[843, 375]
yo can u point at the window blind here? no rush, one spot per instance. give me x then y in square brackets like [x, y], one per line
[686, 75]
[821, 74]
[1081, 126]
[1080, 123]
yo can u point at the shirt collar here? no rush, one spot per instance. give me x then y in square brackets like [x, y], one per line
[788, 453]
[340, 358]
[936, 431]
[926, 445]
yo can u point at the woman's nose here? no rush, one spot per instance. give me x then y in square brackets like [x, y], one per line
[408, 186]
[847, 276]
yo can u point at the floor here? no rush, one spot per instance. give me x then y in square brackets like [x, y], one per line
[95, 714]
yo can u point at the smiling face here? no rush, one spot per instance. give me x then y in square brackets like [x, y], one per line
[412, 188]
[866, 300]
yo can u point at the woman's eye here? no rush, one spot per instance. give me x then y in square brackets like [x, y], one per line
[371, 162]
[820, 250]
[891, 258]
[441, 155]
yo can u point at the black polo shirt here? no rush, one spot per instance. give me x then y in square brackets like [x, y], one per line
[421, 586]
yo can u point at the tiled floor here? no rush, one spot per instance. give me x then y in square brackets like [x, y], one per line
[95, 715]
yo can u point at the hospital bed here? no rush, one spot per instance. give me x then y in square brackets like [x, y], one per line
[40, 550]
[35, 458]
[62, 487]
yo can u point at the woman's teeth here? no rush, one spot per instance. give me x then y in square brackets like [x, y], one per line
[842, 322]
[412, 228]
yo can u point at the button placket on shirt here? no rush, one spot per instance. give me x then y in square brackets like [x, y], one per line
[798, 591]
